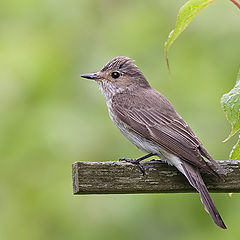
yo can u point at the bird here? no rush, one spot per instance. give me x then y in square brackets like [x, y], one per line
[148, 119]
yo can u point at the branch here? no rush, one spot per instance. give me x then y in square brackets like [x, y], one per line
[119, 177]
[236, 3]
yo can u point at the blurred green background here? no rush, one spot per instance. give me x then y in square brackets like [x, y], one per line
[51, 118]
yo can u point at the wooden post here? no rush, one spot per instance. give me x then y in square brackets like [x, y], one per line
[121, 177]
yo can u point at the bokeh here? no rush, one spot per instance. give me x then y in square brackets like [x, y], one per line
[50, 118]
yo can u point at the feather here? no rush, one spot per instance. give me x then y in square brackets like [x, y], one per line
[195, 179]
[154, 118]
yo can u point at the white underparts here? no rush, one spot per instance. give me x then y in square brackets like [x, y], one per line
[109, 90]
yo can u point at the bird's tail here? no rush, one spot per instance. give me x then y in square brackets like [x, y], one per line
[193, 175]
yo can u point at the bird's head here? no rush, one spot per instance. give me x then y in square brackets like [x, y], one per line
[119, 74]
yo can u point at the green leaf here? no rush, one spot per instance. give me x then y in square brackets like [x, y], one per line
[231, 106]
[235, 153]
[186, 13]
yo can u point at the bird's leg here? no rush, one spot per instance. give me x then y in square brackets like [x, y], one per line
[137, 161]
[156, 160]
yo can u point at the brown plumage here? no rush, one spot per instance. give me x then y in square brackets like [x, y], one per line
[151, 115]
[150, 121]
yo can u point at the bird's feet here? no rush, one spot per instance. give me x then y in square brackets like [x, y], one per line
[156, 160]
[135, 162]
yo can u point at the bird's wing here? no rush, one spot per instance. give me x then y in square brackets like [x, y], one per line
[164, 126]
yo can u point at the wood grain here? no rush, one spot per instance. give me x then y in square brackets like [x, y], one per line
[120, 177]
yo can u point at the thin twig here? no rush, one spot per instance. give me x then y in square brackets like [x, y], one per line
[236, 3]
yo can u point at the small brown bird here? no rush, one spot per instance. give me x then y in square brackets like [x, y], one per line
[148, 120]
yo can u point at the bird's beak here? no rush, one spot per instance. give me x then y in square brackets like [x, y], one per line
[93, 76]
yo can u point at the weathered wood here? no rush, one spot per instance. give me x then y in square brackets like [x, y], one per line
[121, 177]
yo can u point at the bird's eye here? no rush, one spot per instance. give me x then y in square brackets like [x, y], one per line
[115, 74]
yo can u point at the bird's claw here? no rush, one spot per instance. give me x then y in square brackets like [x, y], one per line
[130, 160]
[156, 160]
[135, 162]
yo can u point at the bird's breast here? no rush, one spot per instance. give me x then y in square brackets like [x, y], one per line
[142, 143]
